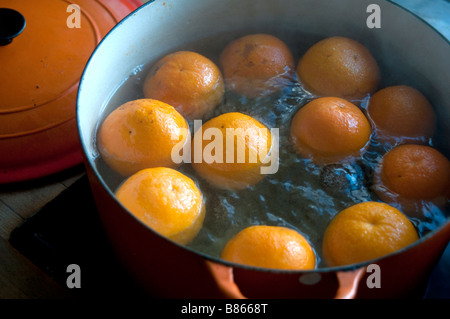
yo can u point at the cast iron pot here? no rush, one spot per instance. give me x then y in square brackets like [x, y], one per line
[166, 269]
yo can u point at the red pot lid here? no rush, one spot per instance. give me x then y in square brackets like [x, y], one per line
[40, 69]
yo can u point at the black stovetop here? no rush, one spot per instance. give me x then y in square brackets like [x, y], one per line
[68, 231]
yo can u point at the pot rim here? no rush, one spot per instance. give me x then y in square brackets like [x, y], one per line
[218, 260]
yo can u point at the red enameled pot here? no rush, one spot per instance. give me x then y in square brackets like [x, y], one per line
[44, 47]
[166, 269]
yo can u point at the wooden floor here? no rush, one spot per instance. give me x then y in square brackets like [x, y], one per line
[19, 278]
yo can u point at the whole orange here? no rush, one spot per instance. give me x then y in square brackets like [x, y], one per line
[401, 114]
[140, 134]
[412, 175]
[165, 200]
[257, 65]
[330, 130]
[188, 81]
[366, 231]
[230, 149]
[339, 66]
[270, 247]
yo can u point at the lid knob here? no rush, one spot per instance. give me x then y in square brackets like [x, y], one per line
[12, 24]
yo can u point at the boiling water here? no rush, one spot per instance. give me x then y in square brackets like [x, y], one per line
[301, 195]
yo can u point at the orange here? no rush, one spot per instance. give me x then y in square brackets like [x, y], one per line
[230, 150]
[270, 247]
[330, 130]
[141, 134]
[412, 175]
[257, 65]
[188, 81]
[165, 200]
[401, 114]
[339, 66]
[366, 231]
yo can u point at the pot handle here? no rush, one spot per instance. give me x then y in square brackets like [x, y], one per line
[223, 275]
[348, 283]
